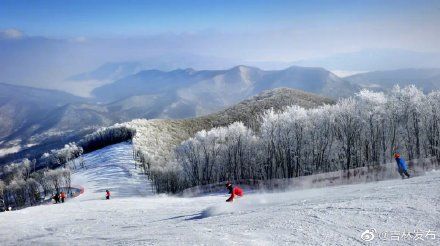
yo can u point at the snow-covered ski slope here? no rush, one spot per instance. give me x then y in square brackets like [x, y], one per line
[324, 216]
[111, 168]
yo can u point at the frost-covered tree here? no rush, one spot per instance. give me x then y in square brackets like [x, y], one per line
[407, 104]
[372, 109]
[431, 124]
[2, 195]
[18, 191]
[223, 153]
[107, 136]
[56, 178]
[60, 157]
[33, 191]
[44, 183]
[21, 186]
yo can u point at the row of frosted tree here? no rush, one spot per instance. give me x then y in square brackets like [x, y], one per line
[21, 187]
[27, 183]
[363, 130]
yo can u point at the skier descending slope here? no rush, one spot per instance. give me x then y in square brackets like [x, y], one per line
[401, 166]
[107, 194]
[234, 191]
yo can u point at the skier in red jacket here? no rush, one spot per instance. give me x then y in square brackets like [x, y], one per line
[62, 196]
[234, 191]
[107, 194]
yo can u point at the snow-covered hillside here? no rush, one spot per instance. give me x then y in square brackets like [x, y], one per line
[324, 216]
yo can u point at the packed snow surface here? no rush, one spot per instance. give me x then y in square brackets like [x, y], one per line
[326, 216]
[111, 168]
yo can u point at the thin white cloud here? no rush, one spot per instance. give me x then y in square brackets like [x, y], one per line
[80, 39]
[11, 34]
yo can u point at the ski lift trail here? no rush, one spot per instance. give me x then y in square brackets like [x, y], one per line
[111, 168]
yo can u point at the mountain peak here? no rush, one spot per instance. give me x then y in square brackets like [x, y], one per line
[300, 68]
[243, 68]
[189, 71]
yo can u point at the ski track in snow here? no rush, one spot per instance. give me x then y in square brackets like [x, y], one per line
[323, 216]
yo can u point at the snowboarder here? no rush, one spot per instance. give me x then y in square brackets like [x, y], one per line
[56, 198]
[234, 191]
[63, 196]
[107, 194]
[401, 166]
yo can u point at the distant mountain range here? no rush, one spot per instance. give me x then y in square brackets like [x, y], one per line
[110, 71]
[30, 116]
[205, 91]
[21, 106]
[426, 79]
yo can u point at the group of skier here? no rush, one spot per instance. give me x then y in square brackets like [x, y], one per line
[59, 197]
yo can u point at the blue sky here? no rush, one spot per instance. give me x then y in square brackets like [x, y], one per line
[95, 18]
